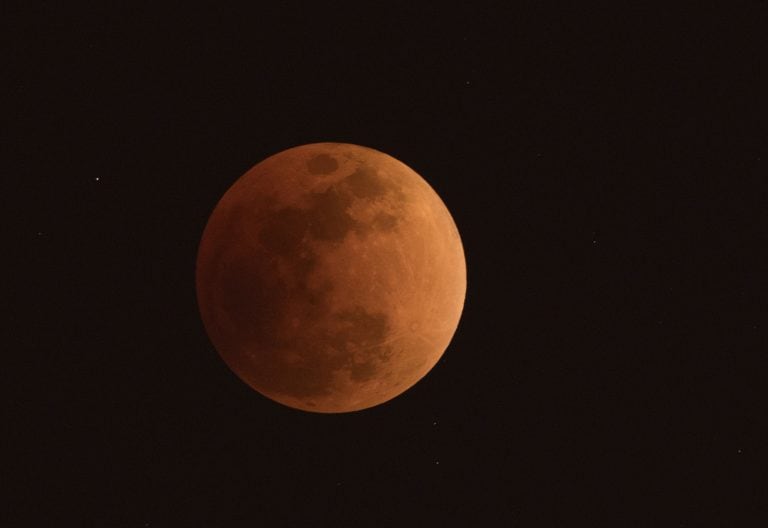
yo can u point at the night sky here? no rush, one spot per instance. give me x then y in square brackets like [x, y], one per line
[606, 167]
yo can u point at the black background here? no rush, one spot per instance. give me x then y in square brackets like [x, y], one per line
[606, 166]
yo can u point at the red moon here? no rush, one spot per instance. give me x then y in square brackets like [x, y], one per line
[331, 277]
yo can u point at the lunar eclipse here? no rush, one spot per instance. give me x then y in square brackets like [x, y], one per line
[331, 277]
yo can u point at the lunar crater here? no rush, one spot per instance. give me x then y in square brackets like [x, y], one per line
[365, 183]
[322, 164]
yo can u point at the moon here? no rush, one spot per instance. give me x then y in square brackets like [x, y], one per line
[330, 277]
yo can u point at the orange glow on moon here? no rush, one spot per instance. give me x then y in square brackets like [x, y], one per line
[331, 277]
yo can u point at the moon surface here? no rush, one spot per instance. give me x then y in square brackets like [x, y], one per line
[331, 277]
